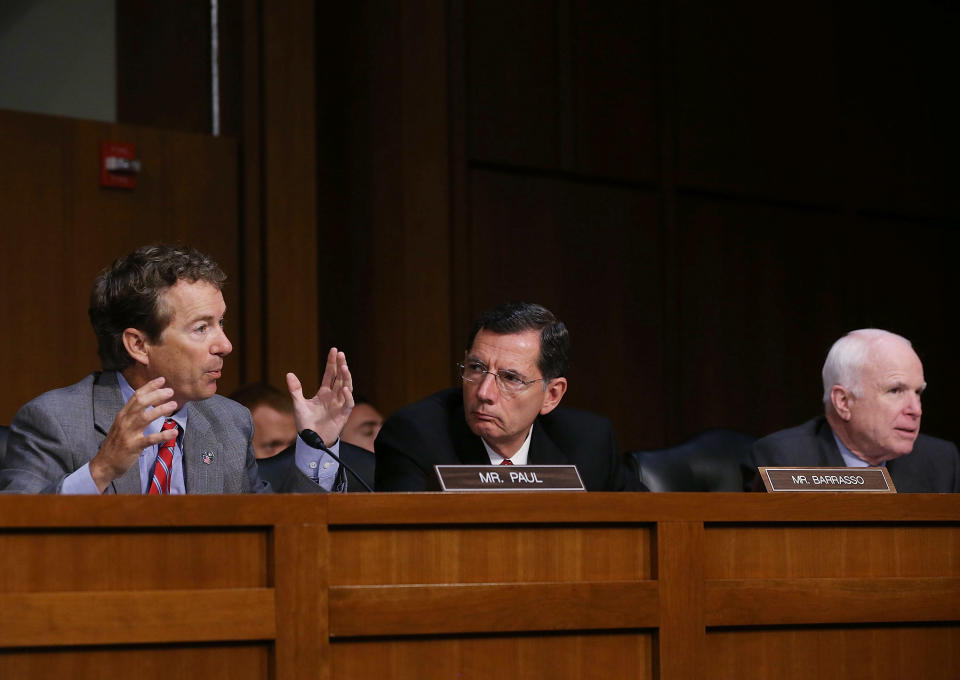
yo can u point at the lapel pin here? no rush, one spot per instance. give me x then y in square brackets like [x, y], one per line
[207, 457]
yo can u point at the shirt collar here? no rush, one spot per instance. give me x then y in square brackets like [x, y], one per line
[849, 458]
[519, 458]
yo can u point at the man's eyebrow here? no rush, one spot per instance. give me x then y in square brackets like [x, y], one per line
[502, 369]
[209, 318]
[901, 385]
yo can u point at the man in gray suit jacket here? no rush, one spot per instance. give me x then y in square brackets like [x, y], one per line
[151, 421]
[872, 382]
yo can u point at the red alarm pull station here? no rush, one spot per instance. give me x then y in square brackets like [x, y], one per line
[118, 165]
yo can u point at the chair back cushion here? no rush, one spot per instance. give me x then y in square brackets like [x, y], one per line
[714, 460]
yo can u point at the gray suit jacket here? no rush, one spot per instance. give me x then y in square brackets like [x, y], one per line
[60, 431]
[932, 467]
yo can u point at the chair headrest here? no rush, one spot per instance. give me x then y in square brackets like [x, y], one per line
[714, 460]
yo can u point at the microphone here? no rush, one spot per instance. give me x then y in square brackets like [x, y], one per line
[313, 440]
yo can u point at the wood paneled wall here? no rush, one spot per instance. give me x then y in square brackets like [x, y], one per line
[384, 193]
[59, 229]
[710, 195]
[267, 86]
[707, 195]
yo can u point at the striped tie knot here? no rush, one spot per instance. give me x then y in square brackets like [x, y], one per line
[163, 470]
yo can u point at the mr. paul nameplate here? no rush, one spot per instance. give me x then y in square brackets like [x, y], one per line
[508, 478]
[863, 480]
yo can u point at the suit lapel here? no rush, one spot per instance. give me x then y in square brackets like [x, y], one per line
[827, 446]
[107, 402]
[911, 476]
[199, 440]
[542, 449]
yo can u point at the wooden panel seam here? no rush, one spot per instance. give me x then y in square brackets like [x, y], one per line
[680, 645]
[642, 509]
[180, 514]
[136, 617]
[465, 608]
[299, 564]
[755, 602]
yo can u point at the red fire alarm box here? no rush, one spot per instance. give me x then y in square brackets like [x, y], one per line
[118, 165]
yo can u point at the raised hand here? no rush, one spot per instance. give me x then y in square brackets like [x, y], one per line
[327, 411]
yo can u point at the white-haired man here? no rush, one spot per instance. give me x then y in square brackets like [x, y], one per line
[872, 384]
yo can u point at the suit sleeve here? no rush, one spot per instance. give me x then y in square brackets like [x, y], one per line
[362, 464]
[38, 457]
[254, 482]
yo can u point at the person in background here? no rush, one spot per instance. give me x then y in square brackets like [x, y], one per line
[274, 425]
[363, 425]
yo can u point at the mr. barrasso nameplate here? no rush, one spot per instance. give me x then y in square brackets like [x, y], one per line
[508, 478]
[863, 480]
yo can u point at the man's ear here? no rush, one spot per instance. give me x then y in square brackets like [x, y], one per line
[135, 341]
[555, 391]
[841, 398]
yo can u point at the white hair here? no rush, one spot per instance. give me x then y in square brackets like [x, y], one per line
[847, 358]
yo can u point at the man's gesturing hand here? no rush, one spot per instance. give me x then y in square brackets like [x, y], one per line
[126, 439]
[327, 411]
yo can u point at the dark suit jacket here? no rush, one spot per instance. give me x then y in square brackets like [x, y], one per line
[932, 467]
[282, 472]
[434, 431]
[61, 430]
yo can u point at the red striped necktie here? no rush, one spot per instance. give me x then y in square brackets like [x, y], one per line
[164, 467]
[506, 461]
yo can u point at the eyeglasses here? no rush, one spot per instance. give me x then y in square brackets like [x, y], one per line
[510, 383]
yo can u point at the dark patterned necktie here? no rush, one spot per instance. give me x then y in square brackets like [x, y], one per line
[164, 467]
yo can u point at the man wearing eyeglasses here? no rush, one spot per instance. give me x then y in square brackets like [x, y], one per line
[507, 412]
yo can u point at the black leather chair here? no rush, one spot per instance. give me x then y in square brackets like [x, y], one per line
[714, 460]
[4, 431]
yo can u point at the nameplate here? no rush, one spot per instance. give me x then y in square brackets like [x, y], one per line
[869, 480]
[508, 478]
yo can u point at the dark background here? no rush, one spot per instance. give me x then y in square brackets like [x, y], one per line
[707, 193]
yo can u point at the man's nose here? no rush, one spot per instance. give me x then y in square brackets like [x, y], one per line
[221, 345]
[913, 407]
[487, 389]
